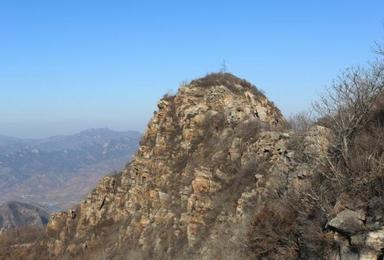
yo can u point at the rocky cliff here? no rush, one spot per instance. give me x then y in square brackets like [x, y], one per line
[218, 175]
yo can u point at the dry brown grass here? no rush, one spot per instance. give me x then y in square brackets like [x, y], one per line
[228, 80]
[23, 243]
[274, 233]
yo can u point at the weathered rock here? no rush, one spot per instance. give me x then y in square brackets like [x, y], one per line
[354, 239]
[348, 222]
[192, 177]
[317, 141]
[375, 240]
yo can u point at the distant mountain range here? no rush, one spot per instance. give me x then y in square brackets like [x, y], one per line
[57, 172]
[16, 214]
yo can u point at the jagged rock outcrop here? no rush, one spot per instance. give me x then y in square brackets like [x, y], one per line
[348, 222]
[210, 157]
[355, 238]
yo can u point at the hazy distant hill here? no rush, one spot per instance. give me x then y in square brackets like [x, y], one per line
[6, 140]
[16, 214]
[58, 171]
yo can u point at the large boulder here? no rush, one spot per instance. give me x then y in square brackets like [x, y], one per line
[348, 222]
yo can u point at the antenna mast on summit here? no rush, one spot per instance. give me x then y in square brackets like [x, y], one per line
[223, 67]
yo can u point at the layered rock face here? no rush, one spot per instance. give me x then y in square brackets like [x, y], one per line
[209, 158]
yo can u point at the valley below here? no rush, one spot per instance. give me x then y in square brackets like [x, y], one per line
[57, 172]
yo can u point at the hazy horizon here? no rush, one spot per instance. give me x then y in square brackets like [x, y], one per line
[70, 133]
[69, 66]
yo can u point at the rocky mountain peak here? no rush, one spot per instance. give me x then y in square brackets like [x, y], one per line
[236, 98]
[209, 153]
[228, 80]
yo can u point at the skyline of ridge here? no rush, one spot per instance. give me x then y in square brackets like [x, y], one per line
[75, 65]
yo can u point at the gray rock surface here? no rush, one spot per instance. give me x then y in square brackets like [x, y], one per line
[348, 222]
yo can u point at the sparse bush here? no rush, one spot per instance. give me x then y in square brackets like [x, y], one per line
[228, 80]
[352, 173]
[23, 243]
[274, 233]
[354, 108]
[301, 122]
[249, 130]
[348, 105]
[169, 95]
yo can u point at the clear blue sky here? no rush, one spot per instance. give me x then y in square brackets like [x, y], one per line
[74, 64]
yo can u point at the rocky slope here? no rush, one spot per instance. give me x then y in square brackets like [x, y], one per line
[16, 214]
[210, 156]
[218, 175]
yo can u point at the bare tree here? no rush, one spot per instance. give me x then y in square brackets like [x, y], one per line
[347, 104]
[301, 122]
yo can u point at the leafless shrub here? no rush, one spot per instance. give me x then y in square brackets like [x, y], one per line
[301, 122]
[184, 83]
[353, 108]
[228, 80]
[249, 130]
[274, 232]
[168, 96]
[23, 243]
[348, 104]
[353, 169]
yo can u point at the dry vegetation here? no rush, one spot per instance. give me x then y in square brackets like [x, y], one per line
[352, 173]
[228, 80]
[23, 243]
